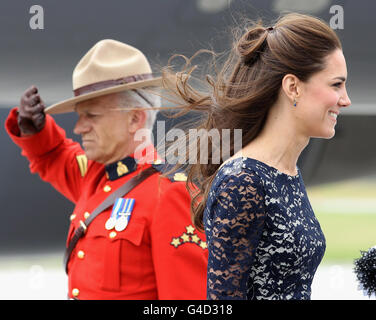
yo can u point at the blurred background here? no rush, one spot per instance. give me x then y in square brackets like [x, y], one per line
[340, 173]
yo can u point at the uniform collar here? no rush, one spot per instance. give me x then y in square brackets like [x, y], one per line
[121, 168]
[130, 163]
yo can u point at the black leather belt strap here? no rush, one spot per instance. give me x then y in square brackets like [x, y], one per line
[109, 201]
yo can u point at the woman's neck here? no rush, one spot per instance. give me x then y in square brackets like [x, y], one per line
[279, 145]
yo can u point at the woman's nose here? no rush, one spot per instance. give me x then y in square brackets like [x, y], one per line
[345, 100]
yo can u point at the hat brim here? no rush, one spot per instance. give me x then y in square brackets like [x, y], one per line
[69, 105]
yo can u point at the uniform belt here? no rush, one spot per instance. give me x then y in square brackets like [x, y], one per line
[109, 201]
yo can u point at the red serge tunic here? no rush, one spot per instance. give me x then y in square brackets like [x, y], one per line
[159, 255]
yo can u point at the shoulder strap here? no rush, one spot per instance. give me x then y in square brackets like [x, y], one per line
[109, 201]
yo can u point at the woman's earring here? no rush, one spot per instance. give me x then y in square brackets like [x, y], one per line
[295, 103]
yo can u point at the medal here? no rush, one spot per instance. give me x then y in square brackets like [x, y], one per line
[121, 223]
[120, 214]
[124, 215]
[110, 223]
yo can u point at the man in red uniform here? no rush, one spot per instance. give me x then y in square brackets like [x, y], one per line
[144, 246]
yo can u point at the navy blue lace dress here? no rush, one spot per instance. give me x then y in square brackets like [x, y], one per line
[263, 238]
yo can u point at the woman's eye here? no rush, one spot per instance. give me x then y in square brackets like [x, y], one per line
[338, 84]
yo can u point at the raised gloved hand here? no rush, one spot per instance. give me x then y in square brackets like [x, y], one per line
[31, 116]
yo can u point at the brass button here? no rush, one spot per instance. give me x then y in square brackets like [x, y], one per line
[107, 188]
[81, 254]
[86, 215]
[72, 217]
[112, 234]
[75, 292]
[179, 176]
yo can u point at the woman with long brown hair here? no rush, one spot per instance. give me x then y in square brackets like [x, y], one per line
[281, 86]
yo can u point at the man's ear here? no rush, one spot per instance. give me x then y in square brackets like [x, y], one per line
[291, 86]
[136, 120]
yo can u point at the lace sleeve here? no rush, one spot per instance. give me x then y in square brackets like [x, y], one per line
[234, 226]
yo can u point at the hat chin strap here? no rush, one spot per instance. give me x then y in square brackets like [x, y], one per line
[96, 86]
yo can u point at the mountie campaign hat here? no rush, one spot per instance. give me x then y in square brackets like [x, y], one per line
[108, 67]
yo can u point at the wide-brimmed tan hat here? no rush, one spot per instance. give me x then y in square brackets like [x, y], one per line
[109, 67]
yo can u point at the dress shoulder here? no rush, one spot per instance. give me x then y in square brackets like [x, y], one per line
[236, 187]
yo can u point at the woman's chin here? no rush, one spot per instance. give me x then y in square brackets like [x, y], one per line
[328, 134]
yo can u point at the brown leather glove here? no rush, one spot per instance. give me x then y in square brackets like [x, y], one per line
[31, 116]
